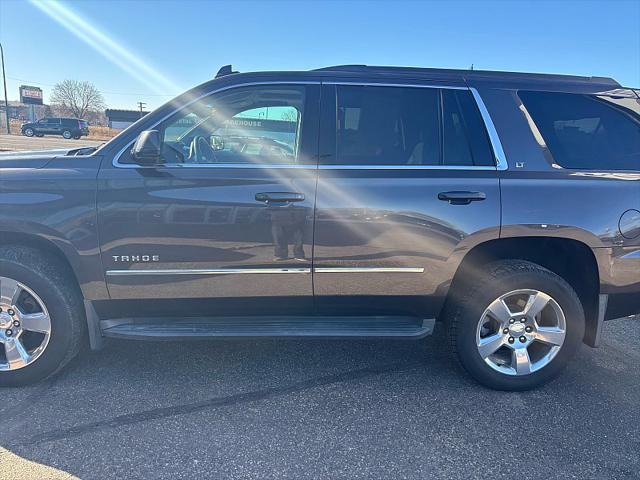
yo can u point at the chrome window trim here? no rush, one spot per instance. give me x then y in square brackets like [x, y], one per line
[205, 271]
[410, 85]
[494, 138]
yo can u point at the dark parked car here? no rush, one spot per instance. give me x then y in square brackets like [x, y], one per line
[67, 127]
[349, 201]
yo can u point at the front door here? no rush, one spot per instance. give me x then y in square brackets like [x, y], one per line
[226, 218]
[407, 184]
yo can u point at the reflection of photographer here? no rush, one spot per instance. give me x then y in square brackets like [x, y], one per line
[287, 227]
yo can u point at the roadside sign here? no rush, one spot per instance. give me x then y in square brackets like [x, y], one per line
[30, 95]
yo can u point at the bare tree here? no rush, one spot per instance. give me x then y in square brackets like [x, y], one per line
[77, 97]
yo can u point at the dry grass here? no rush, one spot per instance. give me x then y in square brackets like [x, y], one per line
[95, 132]
[102, 133]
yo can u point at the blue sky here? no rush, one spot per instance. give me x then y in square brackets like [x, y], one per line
[166, 46]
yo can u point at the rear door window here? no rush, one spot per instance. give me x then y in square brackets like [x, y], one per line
[408, 126]
[587, 131]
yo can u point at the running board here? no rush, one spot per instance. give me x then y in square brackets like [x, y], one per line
[311, 326]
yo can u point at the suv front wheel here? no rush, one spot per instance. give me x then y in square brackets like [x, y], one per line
[518, 327]
[29, 132]
[41, 316]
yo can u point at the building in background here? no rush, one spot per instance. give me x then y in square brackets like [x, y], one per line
[21, 111]
[121, 119]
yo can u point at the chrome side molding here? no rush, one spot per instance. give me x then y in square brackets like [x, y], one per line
[254, 271]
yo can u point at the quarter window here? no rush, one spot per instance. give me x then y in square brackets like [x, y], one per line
[586, 131]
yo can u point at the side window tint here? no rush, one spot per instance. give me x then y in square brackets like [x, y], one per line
[387, 126]
[464, 137]
[585, 131]
[409, 126]
[245, 125]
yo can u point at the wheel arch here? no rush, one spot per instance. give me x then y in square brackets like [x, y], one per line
[571, 259]
[42, 244]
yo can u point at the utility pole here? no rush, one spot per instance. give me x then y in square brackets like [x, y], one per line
[141, 105]
[4, 80]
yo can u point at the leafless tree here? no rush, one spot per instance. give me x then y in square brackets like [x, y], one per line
[77, 97]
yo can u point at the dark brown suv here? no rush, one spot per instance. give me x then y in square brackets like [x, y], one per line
[349, 201]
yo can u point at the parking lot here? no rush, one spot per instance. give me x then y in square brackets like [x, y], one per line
[10, 143]
[276, 408]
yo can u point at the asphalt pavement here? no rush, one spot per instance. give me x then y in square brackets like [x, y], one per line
[9, 143]
[276, 408]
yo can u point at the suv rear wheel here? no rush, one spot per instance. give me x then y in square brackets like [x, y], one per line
[518, 327]
[41, 316]
[67, 134]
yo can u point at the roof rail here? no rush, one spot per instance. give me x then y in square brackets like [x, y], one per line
[473, 73]
[224, 71]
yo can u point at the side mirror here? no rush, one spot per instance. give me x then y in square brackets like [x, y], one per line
[146, 150]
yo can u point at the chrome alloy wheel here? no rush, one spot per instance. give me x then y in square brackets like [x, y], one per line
[25, 325]
[521, 332]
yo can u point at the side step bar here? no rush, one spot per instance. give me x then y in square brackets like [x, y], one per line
[312, 326]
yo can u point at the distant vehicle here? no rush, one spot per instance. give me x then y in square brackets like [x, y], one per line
[67, 127]
[348, 202]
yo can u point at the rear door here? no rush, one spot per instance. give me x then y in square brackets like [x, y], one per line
[227, 217]
[407, 184]
[55, 125]
[48, 125]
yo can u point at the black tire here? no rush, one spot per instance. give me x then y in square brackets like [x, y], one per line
[498, 279]
[67, 134]
[76, 137]
[50, 280]
[29, 132]
[39, 135]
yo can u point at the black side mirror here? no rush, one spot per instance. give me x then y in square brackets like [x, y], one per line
[146, 150]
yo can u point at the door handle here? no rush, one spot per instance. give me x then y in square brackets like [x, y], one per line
[461, 198]
[279, 197]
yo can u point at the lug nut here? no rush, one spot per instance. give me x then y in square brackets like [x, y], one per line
[523, 319]
[511, 339]
[506, 330]
[513, 320]
[16, 323]
[528, 329]
[523, 339]
[9, 332]
[11, 312]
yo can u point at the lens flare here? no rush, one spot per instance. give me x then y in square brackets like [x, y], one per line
[107, 47]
